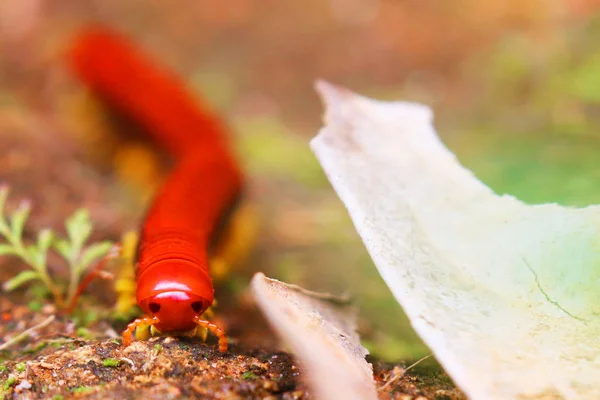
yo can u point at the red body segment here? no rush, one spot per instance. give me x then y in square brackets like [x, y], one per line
[174, 285]
[178, 230]
[147, 93]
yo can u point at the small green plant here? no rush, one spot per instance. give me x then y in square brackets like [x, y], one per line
[72, 249]
[84, 333]
[20, 367]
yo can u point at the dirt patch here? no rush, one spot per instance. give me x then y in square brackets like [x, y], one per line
[56, 362]
[159, 368]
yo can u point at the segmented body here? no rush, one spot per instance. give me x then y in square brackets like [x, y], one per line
[174, 286]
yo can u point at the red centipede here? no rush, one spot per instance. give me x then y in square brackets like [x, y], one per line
[174, 286]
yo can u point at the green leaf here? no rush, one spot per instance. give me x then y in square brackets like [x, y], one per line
[20, 279]
[18, 218]
[45, 239]
[44, 242]
[79, 227]
[93, 253]
[3, 196]
[34, 255]
[63, 247]
[7, 250]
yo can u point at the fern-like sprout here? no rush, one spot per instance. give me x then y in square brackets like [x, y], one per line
[72, 249]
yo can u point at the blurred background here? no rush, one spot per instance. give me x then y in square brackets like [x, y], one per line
[515, 86]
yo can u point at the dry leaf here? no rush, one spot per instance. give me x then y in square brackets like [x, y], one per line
[321, 332]
[506, 294]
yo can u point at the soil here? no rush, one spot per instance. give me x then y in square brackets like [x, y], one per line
[53, 363]
[62, 361]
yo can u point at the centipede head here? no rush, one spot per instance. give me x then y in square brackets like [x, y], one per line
[175, 310]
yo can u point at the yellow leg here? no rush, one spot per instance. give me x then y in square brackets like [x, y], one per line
[220, 333]
[125, 283]
[145, 332]
[209, 312]
[238, 241]
[199, 332]
[128, 333]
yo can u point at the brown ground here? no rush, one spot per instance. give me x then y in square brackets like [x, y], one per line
[61, 361]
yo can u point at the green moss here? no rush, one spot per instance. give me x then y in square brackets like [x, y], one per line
[20, 367]
[35, 305]
[111, 362]
[37, 348]
[9, 382]
[85, 318]
[82, 389]
[39, 291]
[84, 333]
[3, 368]
[430, 374]
[249, 375]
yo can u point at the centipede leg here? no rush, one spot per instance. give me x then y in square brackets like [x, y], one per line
[220, 333]
[198, 332]
[128, 333]
[125, 284]
[237, 242]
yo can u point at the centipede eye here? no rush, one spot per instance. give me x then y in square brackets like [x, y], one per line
[197, 306]
[154, 307]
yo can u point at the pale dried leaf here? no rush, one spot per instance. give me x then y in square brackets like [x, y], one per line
[321, 333]
[506, 294]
